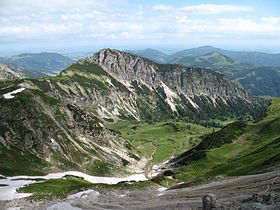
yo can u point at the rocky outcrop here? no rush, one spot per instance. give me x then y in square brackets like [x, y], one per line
[7, 72]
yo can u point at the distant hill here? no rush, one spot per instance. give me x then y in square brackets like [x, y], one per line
[12, 72]
[255, 58]
[47, 63]
[254, 79]
[150, 54]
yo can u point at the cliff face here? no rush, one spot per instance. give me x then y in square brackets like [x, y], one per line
[61, 119]
[7, 72]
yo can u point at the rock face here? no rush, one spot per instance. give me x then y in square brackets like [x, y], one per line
[61, 119]
[171, 90]
[6, 72]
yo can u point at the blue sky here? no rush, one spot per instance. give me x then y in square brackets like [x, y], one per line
[88, 25]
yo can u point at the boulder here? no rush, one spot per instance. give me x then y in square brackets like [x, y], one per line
[209, 202]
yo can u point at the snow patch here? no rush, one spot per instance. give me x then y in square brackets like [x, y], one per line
[82, 194]
[162, 189]
[9, 192]
[10, 94]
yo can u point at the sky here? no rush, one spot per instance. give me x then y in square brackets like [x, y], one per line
[170, 25]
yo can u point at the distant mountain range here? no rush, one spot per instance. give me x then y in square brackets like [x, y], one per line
[47, 63]
[256, 72]
[255, 58]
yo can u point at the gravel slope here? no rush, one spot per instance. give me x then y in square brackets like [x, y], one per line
[234, 193]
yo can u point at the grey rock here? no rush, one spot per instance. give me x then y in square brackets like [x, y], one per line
[209, 202]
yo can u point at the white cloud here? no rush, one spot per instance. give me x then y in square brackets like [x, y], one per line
[162, 7]
[208, 9]
[115, 20]
[272, 20]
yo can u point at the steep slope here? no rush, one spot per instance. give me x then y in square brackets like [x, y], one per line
[58, 122]
[38, 131]
[12, 72]
[240, 148]
[7, 72]
[47, 63]
[255, 80]
[150, 54]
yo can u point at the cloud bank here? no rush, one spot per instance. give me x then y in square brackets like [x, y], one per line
[122, 20]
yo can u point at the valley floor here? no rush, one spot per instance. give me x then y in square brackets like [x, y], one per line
[235, 193]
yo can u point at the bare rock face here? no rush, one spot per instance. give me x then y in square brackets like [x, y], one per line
[6, 72]
[209, 202]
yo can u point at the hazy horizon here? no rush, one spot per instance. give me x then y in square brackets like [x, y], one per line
[68, 26]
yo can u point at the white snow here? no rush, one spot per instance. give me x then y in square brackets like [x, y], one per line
[162, 189]
[10, 94]
[9, 192]
[82, 194]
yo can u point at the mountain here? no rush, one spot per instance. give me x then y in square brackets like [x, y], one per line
[213, 59]
[255, 58]
[255, 80]
[150, 54]
[47, 63]
[60, 122]
[12, 72]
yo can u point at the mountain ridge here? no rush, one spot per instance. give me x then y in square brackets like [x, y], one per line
[251, 57]
[255, 80]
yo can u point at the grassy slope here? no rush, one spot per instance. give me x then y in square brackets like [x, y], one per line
[257, 148]
[54, 188]
[159, 141]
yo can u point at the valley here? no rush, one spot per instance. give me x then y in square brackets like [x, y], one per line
[115, 115]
